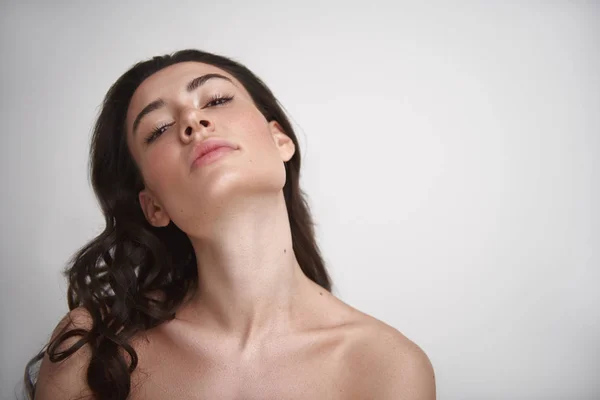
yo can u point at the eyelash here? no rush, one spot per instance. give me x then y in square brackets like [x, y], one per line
[160, 129]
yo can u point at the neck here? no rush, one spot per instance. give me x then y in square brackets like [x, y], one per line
[249, 281]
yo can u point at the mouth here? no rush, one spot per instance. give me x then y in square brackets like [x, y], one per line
[212, 156]
[210, 150]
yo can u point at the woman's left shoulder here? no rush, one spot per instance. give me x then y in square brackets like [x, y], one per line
[395, 365]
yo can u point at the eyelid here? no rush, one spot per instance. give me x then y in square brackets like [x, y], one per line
[218, 96]
[164, 125]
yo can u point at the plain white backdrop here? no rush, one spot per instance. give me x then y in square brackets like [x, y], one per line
[451, 158]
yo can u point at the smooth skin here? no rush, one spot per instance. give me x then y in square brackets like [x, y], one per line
[257, 328]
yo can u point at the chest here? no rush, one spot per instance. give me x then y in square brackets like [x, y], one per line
[230, 383]
[312, 370]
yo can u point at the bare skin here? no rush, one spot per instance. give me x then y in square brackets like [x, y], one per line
[257, 328]
[333, 352]
[341, 353]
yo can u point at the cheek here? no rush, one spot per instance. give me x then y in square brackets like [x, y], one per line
[161, 166]
[252, 130]
[264, 164]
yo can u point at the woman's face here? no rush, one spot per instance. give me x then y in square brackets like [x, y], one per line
[175, 110]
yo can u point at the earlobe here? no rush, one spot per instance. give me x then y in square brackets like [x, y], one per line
[284, 143]
[153, 211]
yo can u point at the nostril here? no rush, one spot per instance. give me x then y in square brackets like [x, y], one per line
[188, 131]
[204, 123]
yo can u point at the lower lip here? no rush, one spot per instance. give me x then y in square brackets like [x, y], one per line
[212, 156]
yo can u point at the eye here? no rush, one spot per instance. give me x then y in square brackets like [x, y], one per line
[218, 99]
[156, 132]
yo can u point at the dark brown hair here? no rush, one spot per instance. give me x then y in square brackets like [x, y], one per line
[113, 275]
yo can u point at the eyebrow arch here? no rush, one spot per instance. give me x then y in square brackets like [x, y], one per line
[159, 103]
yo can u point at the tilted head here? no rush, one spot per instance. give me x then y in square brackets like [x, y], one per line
[155, 196]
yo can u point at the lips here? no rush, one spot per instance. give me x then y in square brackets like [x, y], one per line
[208, 146]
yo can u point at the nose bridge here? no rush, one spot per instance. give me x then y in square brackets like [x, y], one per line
[190, 116]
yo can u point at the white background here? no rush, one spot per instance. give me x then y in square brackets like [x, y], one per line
[450, 158]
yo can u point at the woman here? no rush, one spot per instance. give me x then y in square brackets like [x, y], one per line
[207, 282]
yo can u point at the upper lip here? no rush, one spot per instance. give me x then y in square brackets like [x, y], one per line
[208, 145]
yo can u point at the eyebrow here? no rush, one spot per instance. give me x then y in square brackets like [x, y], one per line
[159, 103]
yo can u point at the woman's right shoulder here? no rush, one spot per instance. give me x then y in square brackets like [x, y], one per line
[66, 379]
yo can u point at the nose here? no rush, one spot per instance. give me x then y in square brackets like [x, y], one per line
[194, 124]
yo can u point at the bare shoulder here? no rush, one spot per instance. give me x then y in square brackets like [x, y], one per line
[391, 365]
[66, 379]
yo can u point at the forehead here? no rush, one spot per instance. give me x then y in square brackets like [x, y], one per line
[169, 82]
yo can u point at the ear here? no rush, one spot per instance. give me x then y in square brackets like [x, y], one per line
[284, 143]
[153, 211]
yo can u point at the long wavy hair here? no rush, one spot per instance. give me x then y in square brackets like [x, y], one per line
[113, 275]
